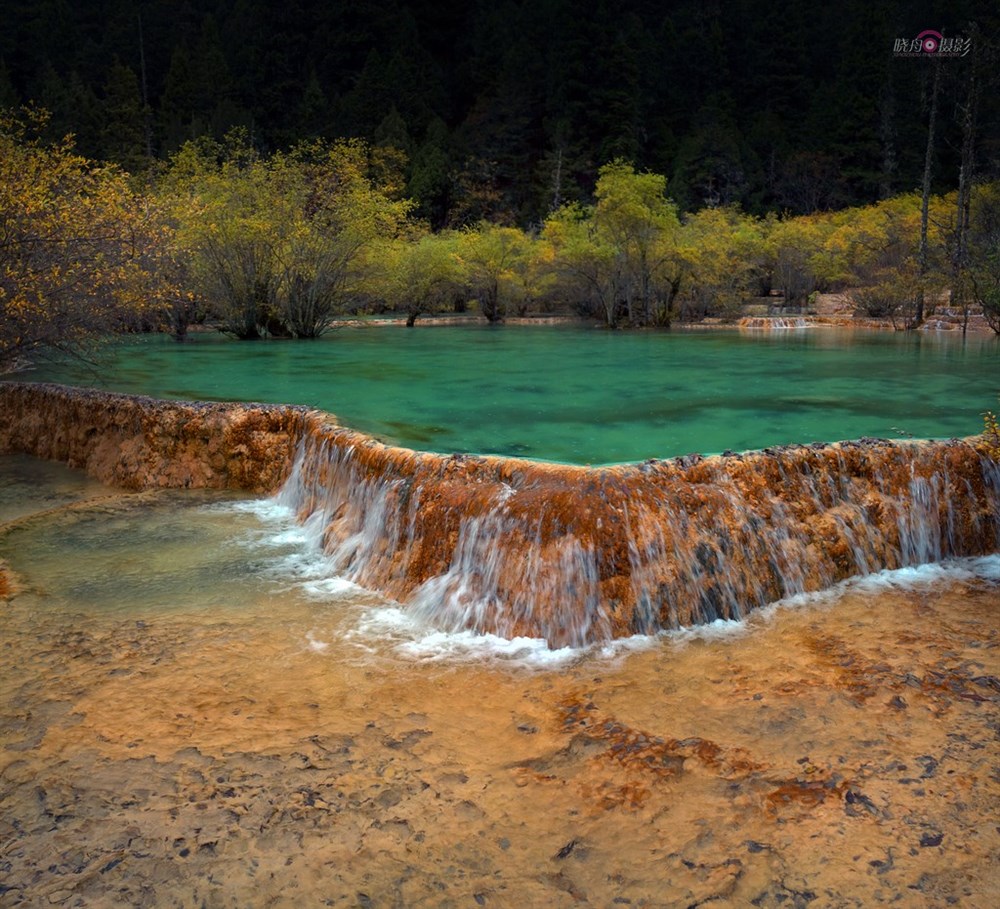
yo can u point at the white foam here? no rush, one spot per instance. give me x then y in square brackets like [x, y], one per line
[294, 568]
[986, 567]
[267, 510]
[292, 553]
[467, 645]
[288, 537]
[332, 587]
[915, 577]
[411, 639]
[316, 645]
[719, 630]
[414, 641]
[388, 620]
[619, 647]
[276, 526]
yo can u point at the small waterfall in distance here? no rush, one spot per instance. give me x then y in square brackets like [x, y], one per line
[774, 323]
[576, 554]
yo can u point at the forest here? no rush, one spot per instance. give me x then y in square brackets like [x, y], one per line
[267, 171]
[285, 245]
[502, 111]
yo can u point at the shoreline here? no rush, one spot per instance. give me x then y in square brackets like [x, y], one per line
[939, 324]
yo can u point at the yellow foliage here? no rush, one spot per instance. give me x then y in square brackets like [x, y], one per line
[991, 432]
[80, 249]
[276, 244]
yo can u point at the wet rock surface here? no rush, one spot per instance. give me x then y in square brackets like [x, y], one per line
[577, 554]
[139, 443]
[206, 754]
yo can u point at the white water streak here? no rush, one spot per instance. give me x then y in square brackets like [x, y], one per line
[681, 562]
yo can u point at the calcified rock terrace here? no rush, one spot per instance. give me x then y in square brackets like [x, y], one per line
[510, 547]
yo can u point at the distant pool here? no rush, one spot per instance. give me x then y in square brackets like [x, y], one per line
[582, 395]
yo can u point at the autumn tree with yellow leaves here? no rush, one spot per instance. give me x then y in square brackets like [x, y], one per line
[420, 275]
[493, 257]
[79, 248]
[621, 252]
[278, 246]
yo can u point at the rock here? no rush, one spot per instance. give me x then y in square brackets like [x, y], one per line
[930, 766]
[142, 443]
[857, 804]
[566, 850]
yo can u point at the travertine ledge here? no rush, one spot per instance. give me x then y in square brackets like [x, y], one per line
[514, 547]
[140, 443]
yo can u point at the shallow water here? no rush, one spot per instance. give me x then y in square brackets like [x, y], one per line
[581, 395]
[196, 713]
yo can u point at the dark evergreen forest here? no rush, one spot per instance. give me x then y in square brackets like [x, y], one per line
[506, 108]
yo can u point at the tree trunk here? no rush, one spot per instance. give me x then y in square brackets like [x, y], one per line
[926, 192]
[492, 308]
[668, 307]
[887, 134]
[965, 179]
[645, 293]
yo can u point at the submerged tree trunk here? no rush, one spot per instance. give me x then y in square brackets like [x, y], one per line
[180, 319]
[491, 305]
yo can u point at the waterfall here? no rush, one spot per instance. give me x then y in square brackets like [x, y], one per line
[576, 555]
[519, 548]
[774, 322]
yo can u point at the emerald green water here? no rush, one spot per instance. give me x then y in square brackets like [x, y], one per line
[582, 395]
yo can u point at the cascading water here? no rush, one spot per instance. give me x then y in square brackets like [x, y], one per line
[576, 555]
[775, 322]
[403, 523]
[519, 548]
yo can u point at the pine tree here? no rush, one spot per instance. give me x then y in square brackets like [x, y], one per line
[178, 114]
[123, 133]
[430, 177]
[8, 95]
